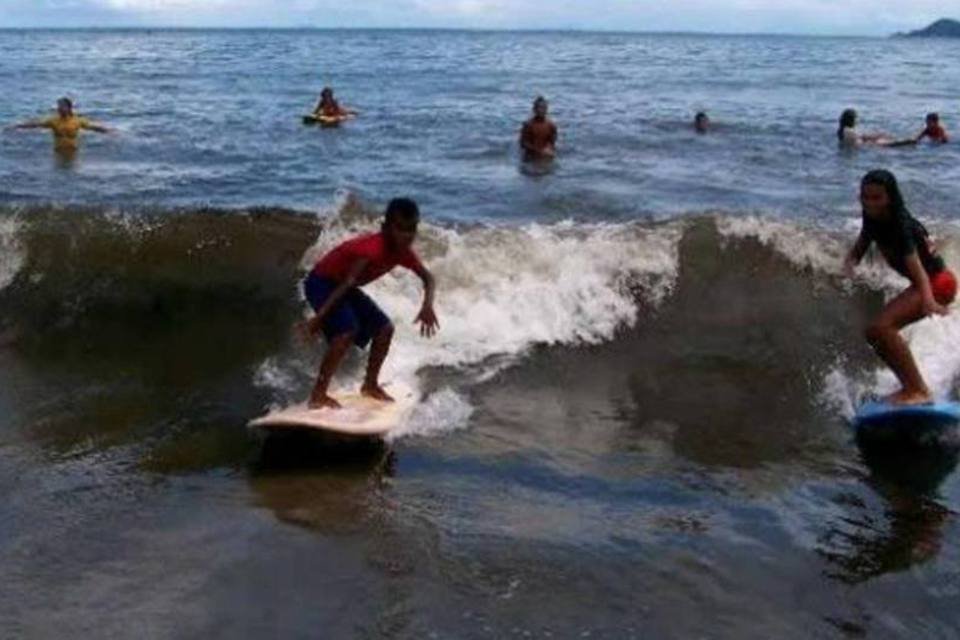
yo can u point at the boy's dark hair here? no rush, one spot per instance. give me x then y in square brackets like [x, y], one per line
[701, 115]
[933, 116]
[402, 210]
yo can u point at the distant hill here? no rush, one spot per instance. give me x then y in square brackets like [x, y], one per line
[944, 28]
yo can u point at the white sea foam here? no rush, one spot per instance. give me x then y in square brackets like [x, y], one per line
[933, 341]
[818, 249]
[444, 411]
[506, 289]
[12, 255]
[503, 290]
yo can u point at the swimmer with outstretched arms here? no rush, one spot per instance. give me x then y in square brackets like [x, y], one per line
[328, 107]
[538, 137]
[347, 316]
[66, 126]
[907, 248]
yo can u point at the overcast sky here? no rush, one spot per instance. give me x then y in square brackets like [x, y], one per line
[868, 17]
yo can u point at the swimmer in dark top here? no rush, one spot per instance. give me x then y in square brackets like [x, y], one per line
[908, 249]
[538, 138]
[701, 122]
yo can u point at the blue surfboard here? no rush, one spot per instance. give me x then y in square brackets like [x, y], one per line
[919, 424]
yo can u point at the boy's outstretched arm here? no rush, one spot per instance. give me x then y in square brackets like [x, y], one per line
[99, 128]
[30, 124]
[525, 142]
[427, 316]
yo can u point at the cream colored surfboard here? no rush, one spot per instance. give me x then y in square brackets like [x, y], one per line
[360, 416]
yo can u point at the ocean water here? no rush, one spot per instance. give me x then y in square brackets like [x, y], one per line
[634, 418]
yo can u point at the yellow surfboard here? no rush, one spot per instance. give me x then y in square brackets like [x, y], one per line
[325, 121]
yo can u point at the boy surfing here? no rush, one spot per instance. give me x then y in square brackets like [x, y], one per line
[346, 315]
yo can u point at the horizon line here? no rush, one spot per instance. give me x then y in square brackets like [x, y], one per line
[666, 32]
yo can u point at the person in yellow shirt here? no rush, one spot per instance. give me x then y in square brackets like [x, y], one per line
[65, 126]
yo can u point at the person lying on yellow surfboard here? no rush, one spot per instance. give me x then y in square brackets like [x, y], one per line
[328, 107]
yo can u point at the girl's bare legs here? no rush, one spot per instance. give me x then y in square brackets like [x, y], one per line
[883, 334]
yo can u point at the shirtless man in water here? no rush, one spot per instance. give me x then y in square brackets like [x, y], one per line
[538, 138]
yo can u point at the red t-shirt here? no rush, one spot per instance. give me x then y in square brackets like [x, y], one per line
[373, 247]
[937, 133]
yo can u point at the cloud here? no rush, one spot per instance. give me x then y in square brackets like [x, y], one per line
[819, 16]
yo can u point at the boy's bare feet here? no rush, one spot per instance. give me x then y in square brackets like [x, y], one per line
[905, 398]
[324, 402]
[376, 392]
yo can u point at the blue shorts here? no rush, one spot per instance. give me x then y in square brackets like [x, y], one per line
[356, 313]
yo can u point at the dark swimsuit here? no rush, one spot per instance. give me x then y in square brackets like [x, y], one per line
[903, 235]
[900, 236]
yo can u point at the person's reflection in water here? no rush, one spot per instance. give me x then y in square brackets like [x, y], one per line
[862, 548]
[320, 483]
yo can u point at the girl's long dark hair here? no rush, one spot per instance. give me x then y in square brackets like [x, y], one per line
[886, 179]
[847, 119]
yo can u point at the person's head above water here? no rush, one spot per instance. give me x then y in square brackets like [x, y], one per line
[880, 195]
[933, 119]
[65, 107]
[327, 94]
[848, 120]
[701, 122]
[400, 223]
[540, 107]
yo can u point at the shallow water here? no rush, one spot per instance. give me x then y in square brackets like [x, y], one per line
[634, 419]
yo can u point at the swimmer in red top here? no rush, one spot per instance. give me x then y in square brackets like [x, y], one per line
[934, 130]
[346, 315]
